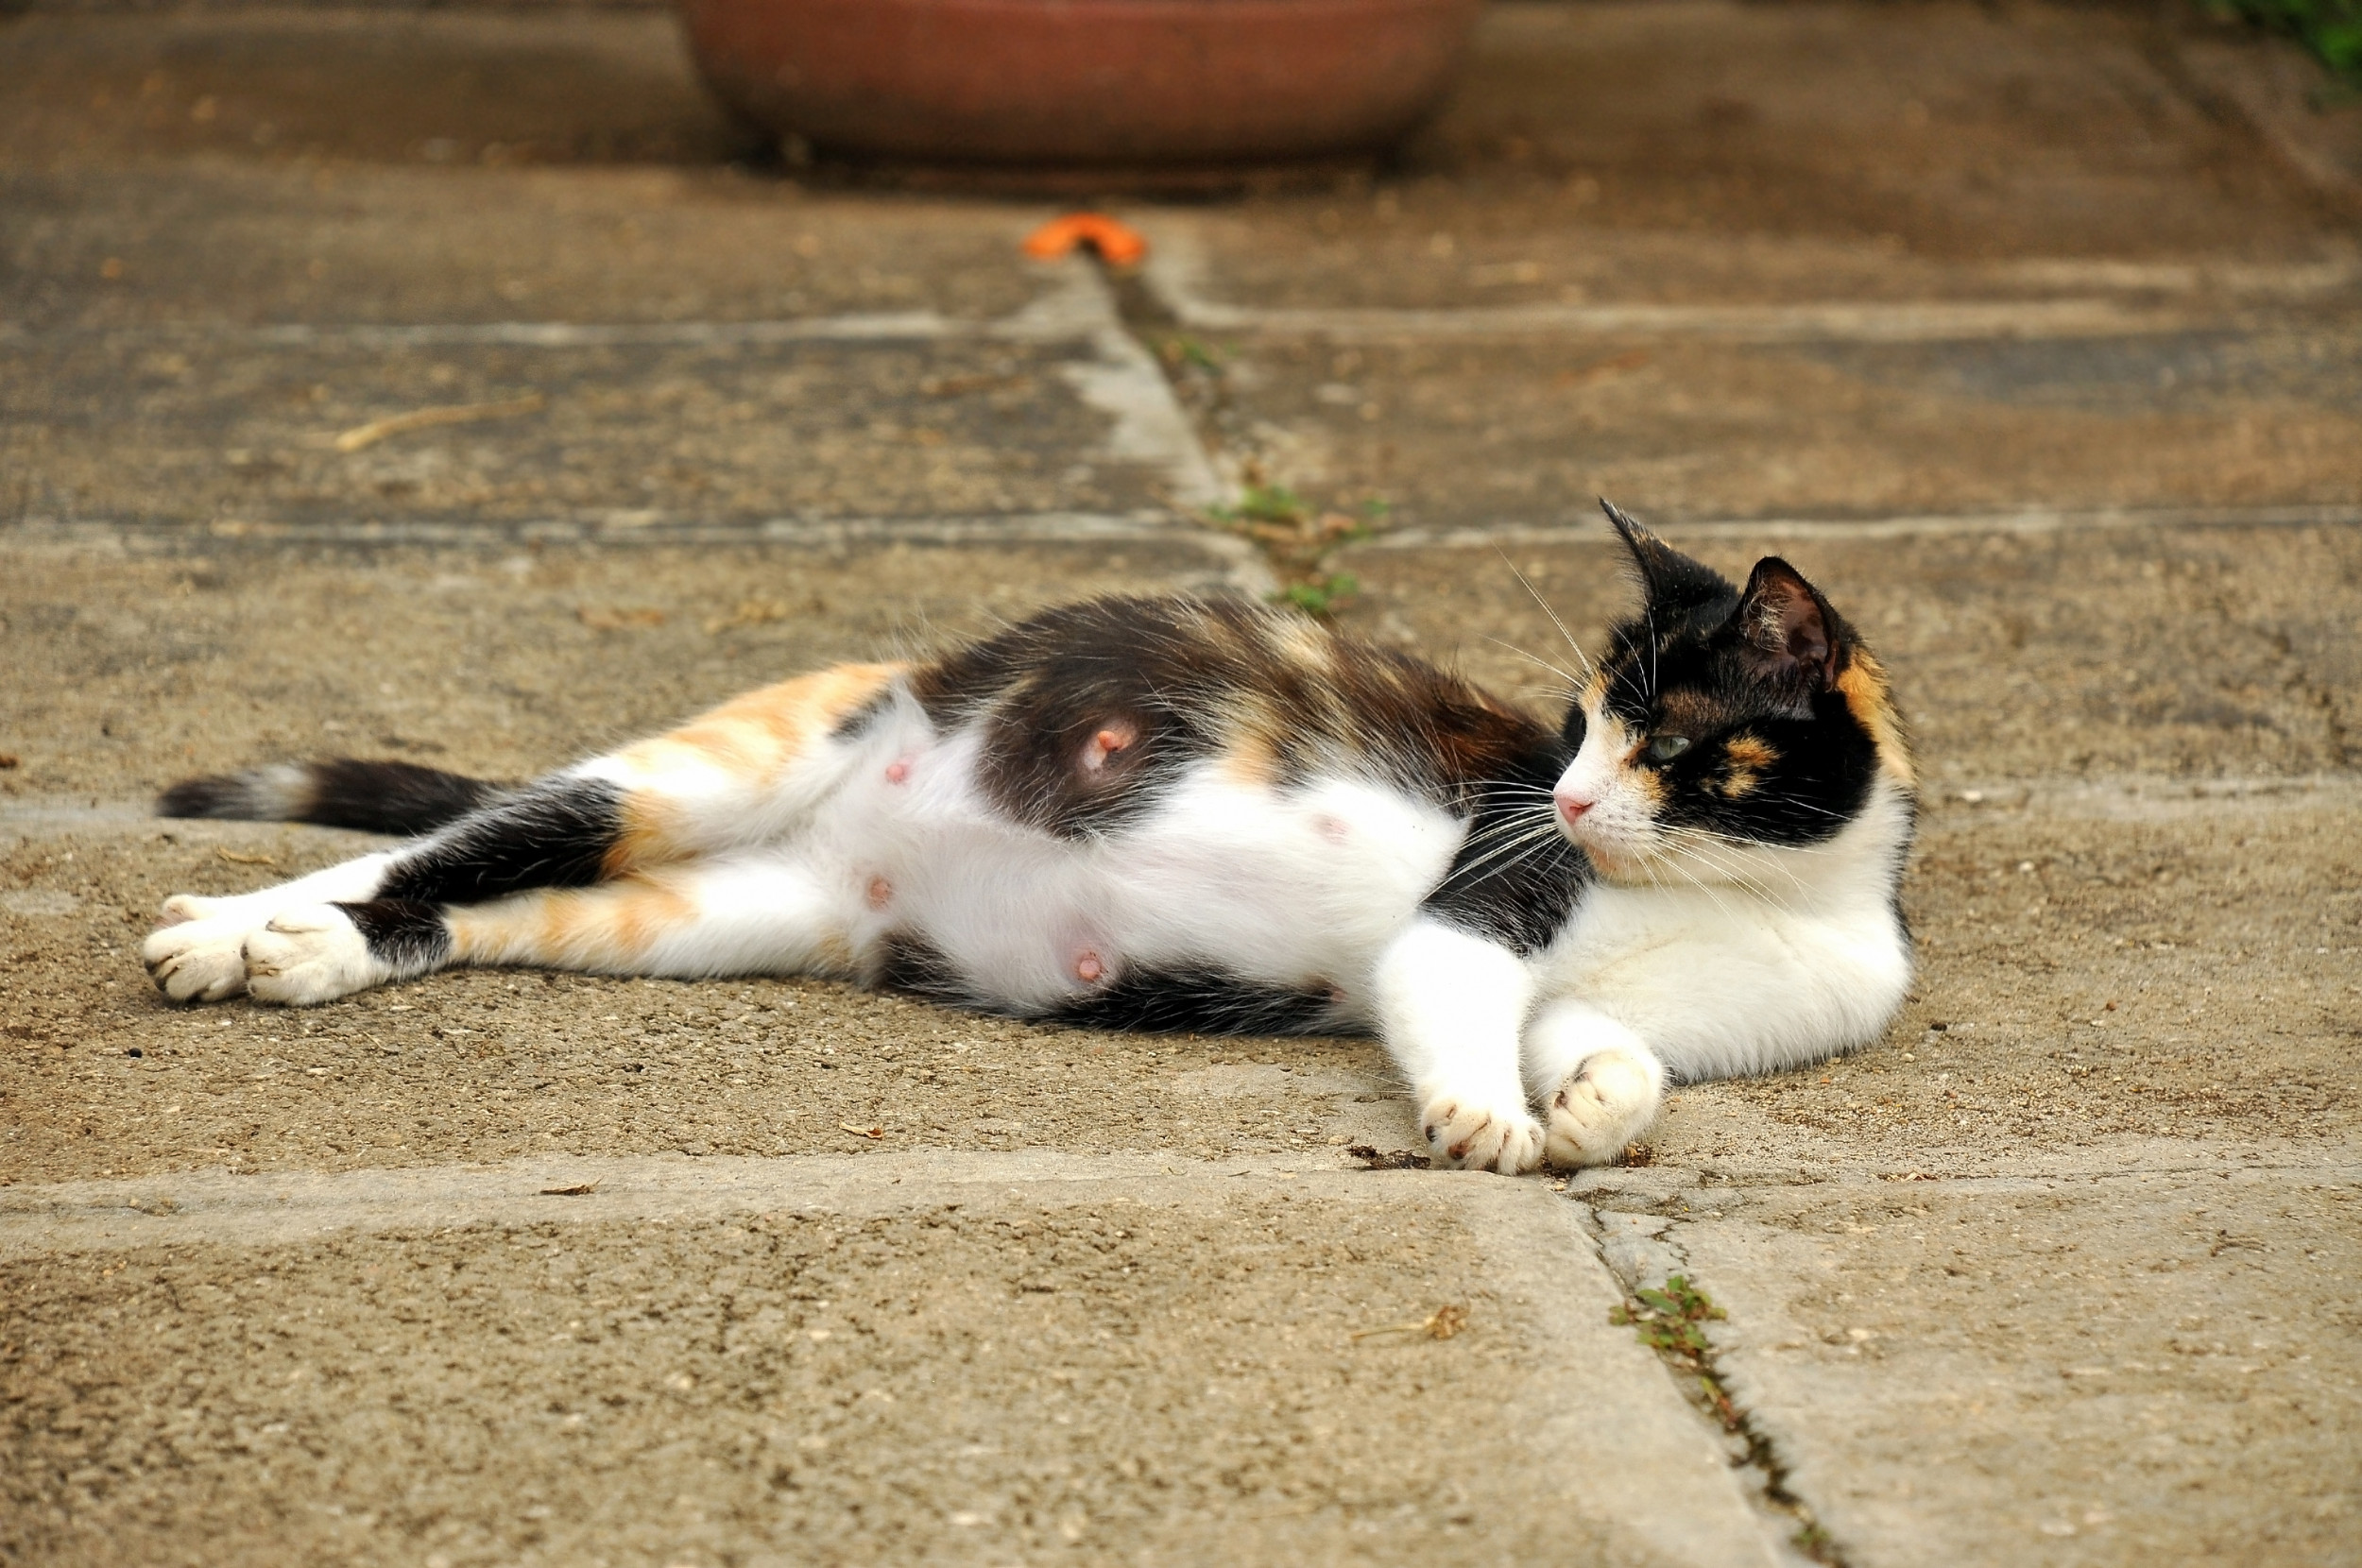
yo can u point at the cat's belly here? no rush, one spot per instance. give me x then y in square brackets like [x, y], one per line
[1294, 890]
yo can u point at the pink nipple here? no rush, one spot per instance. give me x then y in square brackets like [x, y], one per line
[880, 893]
[1086, 966]
[898, 770]
[1107, 744]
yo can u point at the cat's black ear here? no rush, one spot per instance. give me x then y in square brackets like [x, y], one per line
[1789, 631]
[1671, 580]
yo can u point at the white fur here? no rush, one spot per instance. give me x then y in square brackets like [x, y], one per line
[1451, 1008]
[304, 956]
[198, 953]
[1690, 961]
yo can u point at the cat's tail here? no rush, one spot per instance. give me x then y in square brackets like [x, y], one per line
[345, 792]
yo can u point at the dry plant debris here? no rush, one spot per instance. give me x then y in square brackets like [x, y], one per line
[610, 617]
[1443, 1324]
[422, 419]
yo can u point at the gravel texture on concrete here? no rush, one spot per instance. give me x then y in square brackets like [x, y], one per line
[1163, 1377]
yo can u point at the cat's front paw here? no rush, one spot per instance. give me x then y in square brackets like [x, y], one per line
[1603, 1105]
[310, 955]
[197, 955]
[1471, 1134]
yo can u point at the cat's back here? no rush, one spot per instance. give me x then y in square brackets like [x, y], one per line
[1086, 713]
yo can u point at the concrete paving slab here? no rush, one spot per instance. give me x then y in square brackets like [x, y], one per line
[2214, 912]
[1150, 1371]
[2100, 1369]
[448, 88]
[1944, 132]
[1478, 431]
[265, 165]
[218, 242]
[131, 428]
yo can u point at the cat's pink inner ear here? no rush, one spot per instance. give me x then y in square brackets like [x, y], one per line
[1784, 618]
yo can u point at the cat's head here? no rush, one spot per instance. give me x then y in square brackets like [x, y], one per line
[1721, 720]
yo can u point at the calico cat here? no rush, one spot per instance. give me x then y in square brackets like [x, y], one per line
[1167, 814]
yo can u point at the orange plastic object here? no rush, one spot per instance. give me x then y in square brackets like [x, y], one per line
[1117, 245]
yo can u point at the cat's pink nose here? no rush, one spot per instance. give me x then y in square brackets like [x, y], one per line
[1571, 809]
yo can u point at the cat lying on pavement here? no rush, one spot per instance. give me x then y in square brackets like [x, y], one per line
[1167, 814]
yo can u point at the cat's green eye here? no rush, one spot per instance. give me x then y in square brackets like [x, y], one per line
[1666, 748]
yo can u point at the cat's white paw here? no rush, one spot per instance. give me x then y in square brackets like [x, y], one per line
[1470, 1134]
[309, 955]
[1603, 1105]
[196, 959]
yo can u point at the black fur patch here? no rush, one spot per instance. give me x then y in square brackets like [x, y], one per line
[555, 834]
[374, 797]
[407, 936]
[1205, 1001]
[1180, 679]
[1208, 1001]
[229, 797]
[393, 797]
[1515, 878]
[1710, 663]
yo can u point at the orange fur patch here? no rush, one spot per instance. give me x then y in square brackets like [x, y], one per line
[756, 736]
[606, 928]
[1863, 685]
[1251, 758]
[1748, 751]
[1748, 757]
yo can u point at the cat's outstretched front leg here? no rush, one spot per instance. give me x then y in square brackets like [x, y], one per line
[1452, 1006]
[1601, 1084]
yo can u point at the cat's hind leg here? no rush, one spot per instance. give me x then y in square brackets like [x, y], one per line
[742, 775]
[198, 953]
[1599, 1083]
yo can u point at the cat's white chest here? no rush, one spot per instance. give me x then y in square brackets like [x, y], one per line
[1809, 959]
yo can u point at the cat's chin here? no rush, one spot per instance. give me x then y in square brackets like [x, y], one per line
[1619, 867]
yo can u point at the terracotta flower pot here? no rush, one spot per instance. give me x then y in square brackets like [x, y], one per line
[1082, 81]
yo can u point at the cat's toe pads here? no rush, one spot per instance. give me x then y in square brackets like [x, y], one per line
[309, 955]
[1603, 1105]
[196, 960]
[1468, 1135]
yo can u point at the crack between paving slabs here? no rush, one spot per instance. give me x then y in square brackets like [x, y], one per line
[1296, 543]
[1674, 1318]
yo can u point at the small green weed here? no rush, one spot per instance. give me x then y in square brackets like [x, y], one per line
[2332, 30]
[1671, 1320]
[1668, 1319]
[1297, 540]
[1325, 597]
[1266, 503]
[1179, 351]
[1814, 1542]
